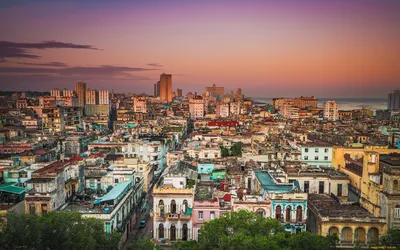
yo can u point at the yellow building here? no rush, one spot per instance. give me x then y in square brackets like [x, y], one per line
[362, 165]
[351, 223]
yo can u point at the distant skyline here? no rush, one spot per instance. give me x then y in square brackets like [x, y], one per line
[268, 48]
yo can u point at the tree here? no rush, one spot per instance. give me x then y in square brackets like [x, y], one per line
[392, 237]
[251, 231]
[236, 149]
[56, 230]
[144, 244]
[224, 151]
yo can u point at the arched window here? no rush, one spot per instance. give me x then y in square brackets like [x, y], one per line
[360, 235]
[184, 232]
[347, 235]
[260, 211]
[334, 231]
[299, 214]
[185, 206]
[161, 231]
[278, 212]
[173, 207]
[172, 235]
[373, 235]
[395, 186]
[161, 207]
[288, 213]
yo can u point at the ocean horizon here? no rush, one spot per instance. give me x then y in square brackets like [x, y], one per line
[343, 103]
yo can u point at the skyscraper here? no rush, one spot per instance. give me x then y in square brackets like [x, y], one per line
[394, 100]
[166, 87]
[157, 89]
[80, 90]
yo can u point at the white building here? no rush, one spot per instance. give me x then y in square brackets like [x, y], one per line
[68, 92]
[173, 203]
[55, 92]
[104, 97]
[91, 97]
[140, 104]
[196, 107]
[331, 111]
[317, 153]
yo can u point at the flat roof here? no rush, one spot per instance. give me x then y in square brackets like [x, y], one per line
[326, 206]
[270, 185]
[10, 188]
[115, 193]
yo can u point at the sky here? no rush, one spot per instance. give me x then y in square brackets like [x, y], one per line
[341, 48]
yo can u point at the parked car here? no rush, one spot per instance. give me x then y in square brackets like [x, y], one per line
[142, 224]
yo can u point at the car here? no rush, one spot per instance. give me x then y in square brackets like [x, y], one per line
[142, 224]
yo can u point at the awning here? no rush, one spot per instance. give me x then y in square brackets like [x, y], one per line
[11, 189]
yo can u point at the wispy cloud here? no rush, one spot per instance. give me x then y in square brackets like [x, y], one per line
[155, 65]
[22, 50]
[52, 64]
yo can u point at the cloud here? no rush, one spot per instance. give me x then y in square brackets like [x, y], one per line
[155, 65]
[104, 70]
[21, 50]
[52, 64]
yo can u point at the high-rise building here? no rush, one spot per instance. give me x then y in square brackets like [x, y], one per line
[331, 111]
[166, 87]
[67, 92]
[55, 92]
[104, 97]
[394, 100]
[196, 107]
[157, 89]
[80, 90]
[214, 91]
[91, 97]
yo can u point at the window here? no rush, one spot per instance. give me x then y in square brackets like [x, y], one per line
[173, 207]
[299, 214]
[306, 186]
[316, 158]
[395, 186]
[161, 231]
[326, 150]
[200, 215]
[321, 187]
[116, 181]
[306, 150]
[306, 157]
[339, 190]
[32, 209]
[397, 211]
[278, 212]
[260, 211]
[44, 208]
[316, 150]
[212, 215]
[325, 158]
[288, 213]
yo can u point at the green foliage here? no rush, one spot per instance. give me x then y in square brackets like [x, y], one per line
[392, 237]
[190, 183]
[250, 231]
[144, 244]
[224, 151]
[56, 230]
[236, 149]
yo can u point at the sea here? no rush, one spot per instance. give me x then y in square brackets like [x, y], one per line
[343, 103]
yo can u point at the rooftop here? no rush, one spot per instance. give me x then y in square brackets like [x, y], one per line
[270, 185]
[326, 206]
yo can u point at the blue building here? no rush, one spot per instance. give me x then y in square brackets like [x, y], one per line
[288, 203]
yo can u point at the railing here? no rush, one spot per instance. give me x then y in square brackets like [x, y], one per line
[185, 217]
[173, 216]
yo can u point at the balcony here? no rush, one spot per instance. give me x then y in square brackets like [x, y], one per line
[173, 216]
[184, 217]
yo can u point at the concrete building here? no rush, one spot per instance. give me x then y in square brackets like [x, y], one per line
[317, 153]
[394, 100]
[104, 97]
[214, 91]
[166, 87]
[196, 107]
[173, 204]
[80, 90]
[91, 97]
[157, 89]
[383, 114]
[68, 92]
[352, 224]
[140, 104]
[331, 111]
[55, 92]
